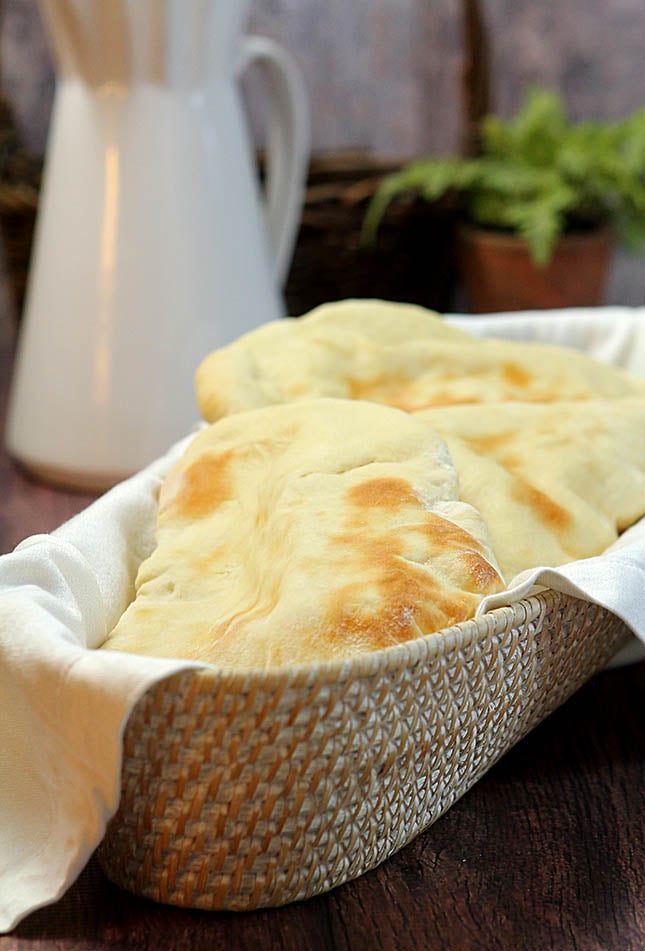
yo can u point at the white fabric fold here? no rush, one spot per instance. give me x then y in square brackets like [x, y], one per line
[612, 334]
[615, 580]
[63, 705]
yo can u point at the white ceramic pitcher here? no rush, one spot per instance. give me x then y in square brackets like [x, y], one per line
[152, 245]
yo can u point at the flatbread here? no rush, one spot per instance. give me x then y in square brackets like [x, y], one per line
[555, 482]
[306, 532]
[397, 354]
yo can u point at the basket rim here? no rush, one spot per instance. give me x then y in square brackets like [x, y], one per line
[207, 677]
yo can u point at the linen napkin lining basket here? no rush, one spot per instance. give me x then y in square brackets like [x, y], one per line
[243, 790]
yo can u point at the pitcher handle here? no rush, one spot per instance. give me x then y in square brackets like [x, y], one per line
[287, 144]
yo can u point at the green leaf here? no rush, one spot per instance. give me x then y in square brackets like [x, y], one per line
[631, 230]
[391, 186]
[533, 135]
[538, 174]
[431, 178]
[541, 226]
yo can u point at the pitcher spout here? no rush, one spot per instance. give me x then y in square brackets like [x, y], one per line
[117, 43]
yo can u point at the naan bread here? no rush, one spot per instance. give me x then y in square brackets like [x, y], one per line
[307, 532]
[554, 482]
[397, 354]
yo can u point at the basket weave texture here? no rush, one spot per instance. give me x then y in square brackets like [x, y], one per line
[250, 789]
[412, 259]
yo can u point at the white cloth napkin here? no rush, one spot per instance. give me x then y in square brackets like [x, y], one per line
[614, 579]
[63, 705]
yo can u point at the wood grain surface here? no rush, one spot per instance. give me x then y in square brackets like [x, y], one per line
[547, 851]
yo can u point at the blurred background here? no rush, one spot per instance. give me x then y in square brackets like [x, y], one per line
[387, 80]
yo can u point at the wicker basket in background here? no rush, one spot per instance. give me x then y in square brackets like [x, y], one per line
[411, 260]
[20, 178]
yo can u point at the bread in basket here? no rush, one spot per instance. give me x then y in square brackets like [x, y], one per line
[247, 785]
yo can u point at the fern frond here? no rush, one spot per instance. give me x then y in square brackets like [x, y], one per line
[540, 225]
[430, 178]
[537, 175]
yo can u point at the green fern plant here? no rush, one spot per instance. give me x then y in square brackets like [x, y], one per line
[537, 175]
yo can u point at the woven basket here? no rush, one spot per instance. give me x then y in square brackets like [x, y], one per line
[20, 180]
[245, 790]
[412, 260]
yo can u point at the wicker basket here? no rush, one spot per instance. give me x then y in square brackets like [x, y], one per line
[412, 260]
[242, 791]
[20, 180]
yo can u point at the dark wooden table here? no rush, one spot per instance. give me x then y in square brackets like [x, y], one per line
[546, 852]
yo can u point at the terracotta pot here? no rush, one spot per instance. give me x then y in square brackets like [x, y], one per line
[499, 275]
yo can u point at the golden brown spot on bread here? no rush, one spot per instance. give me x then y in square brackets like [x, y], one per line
[386, 491]
[407, 395]
[448, 398]
[212, 408]
[385, 388]
[295, 390]
[516, 375]
[548, 511]
[199, 489]
[488, 445]
[395, 598]
[212, 404]
[400, 603]
[512, 462]
[483, 575]
[365, 389]
[445, 534]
